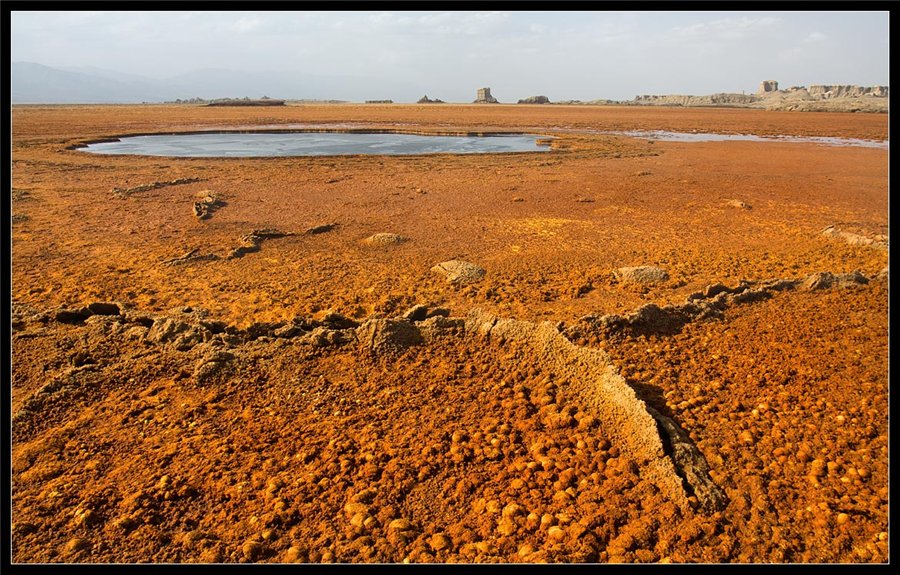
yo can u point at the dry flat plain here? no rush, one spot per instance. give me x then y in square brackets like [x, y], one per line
[219, 360]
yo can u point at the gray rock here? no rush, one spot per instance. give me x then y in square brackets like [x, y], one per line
[388, 335]
[641, 274]
[535, 100]
[384, 239]
[459, 272]
[825, 280]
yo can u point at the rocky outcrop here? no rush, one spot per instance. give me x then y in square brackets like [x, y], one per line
[767, 86]
[709, 304]
[264, 101]
[838, 98]
[877, 241]
[721, 99]
[820, 97]
[484, 97]
[535, 100]
[825, 92]
[426, 100]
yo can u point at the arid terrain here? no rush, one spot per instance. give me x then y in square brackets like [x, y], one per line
[619, 350]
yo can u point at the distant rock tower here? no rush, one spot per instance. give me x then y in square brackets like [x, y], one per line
[484, 97]
[767, 86]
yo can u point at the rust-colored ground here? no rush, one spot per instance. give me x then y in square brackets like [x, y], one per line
[462, 448]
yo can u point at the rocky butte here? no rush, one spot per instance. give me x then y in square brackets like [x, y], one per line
[484, 97]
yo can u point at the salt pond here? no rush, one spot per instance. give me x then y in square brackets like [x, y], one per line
[269, 144]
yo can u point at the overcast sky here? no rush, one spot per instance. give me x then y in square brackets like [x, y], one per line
[563, 55]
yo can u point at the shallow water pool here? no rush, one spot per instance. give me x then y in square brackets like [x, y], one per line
[248, 144]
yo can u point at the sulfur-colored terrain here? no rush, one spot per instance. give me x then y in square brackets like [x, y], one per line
[219, 359]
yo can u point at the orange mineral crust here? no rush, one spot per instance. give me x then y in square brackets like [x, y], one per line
[617, 350]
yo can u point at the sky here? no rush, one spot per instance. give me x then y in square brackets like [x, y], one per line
[564, 55]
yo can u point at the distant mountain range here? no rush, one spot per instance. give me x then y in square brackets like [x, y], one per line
[33, 83]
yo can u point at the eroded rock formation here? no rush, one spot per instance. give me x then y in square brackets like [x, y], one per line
[484, 97]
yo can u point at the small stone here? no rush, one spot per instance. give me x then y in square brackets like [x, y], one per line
[77, 544]
[506, 526]
[400, 525]
[252, 550]
[842, 518]
[440, 541]
[87, 517]
[358, 519]
[486, 547]
[746, 437]
[562, 496]
[738, 204]
[513, 510]
[817, 468]
[556, 533]
[862, 472]
[355, 507]
[126, 522]
[292, 555]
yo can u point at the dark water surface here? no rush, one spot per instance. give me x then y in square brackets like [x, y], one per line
[246, 145]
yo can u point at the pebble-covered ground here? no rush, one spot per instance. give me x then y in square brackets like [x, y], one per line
[133, 442]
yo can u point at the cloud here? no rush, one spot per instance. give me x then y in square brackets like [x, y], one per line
[246, 24]
[438, 23]
[815, 37]
[725, 29]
